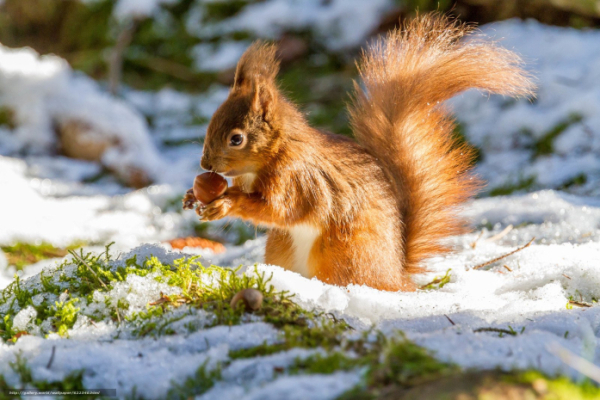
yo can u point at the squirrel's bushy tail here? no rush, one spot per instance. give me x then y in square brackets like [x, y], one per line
[398, 116]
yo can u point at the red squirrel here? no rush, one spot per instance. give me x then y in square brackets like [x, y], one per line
[367, 211]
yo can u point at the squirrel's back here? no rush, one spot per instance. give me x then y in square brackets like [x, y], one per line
[398, 115]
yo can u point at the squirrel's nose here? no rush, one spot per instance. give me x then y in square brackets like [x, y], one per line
[206, 165]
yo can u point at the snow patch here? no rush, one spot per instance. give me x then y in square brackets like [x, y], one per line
[43, 92]
[565, 64]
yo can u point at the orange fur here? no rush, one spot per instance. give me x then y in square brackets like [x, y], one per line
[399, 118]
[367, 212]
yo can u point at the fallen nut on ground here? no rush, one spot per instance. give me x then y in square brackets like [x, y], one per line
[251, 298]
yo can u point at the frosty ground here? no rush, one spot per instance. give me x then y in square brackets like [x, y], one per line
[520, 313]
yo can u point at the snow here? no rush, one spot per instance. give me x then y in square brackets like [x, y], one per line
[119, 363]
[43, 92]
[338, 24]
[219, 57]
[34, 216]
[24, 317]
[45, 198]
[335, 25]
[138, 9]
[318, 387]
[566, 65]
[260, 373]
[531, 299]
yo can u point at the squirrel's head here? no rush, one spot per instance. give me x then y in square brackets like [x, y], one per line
[244, 129]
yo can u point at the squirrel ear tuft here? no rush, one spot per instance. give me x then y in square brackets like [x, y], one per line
[263, 98]
[257, 62]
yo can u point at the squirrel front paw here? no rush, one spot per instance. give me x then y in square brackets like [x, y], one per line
[189, 200]
[217, 209]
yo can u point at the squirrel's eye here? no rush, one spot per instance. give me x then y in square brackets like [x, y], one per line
[236, 140]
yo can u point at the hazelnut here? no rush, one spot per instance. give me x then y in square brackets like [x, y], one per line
[252, 299]
[209, 186]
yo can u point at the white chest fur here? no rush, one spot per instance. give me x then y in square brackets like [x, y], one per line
[303, 239]
[246, 181]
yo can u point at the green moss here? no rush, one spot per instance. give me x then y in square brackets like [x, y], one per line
[485, 385]
[23, 254]
[212, 288]
[257, 351]
[325, 364]
[405, 364]
[556, 388]
[578, 180]
[199, 383]
[301, 329]
[7, 117]
[78, 278]
[522, 184]
[406, 371]
[64, 315]
[438, 282]
[545, 144]
[398, 363]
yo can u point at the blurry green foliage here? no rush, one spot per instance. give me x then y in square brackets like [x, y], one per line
[578, 180]
[321, 90]
[84, 32]
[7, 117]
[23, 254]
[522, 184]
[76, 31]
[545, 144]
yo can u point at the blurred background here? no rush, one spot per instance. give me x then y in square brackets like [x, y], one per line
[104, 105]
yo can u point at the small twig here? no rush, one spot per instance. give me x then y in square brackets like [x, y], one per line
[500, 235]
[506, 266]
[579, 303]
[168, 67]
[474, 244]
[433, 282]
[485, 264]
[81, 260]
[448, 318]
[115, 65]
[51, 360]
[497, 330]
